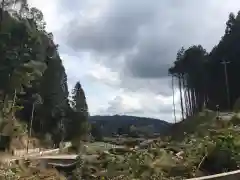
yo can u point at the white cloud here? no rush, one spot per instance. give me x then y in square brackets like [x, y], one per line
[104, 85]
[143, 104]
[95, 77]
[105, 75]
[49, 10]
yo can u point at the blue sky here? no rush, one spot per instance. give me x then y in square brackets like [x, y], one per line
[120, 50]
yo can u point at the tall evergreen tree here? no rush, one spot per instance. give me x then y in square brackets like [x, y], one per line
[79, 103]
[202, 75]
[79, 126]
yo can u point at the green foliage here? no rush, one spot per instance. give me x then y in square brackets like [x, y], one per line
[96, 132]
[201, 74]
[214, 150]
[236, 106]
[33, 77]
[78, 128]
[79, 100]
[235, 120]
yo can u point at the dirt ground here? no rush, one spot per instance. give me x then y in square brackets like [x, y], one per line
[23, 170]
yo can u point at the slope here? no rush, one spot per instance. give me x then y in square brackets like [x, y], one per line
[113, 124]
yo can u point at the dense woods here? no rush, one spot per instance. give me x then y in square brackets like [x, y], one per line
[108, 126]
[207, 79]
[33, 88]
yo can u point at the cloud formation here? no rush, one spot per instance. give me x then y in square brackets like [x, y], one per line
[147, 34]
[131, 44]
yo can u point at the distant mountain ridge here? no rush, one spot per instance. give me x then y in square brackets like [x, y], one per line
[111, 124]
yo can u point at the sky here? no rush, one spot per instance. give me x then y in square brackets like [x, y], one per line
[120, 50]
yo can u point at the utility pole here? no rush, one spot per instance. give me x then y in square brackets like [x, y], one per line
[31, 122]
[62, 130]
[174, 108]
[226, 81]
[37, 100]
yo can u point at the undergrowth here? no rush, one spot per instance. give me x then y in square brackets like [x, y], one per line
[211, 147]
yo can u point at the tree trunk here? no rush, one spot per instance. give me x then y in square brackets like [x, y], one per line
[185, 97]
[174, 107]
[190, 102]
[13, 103]
[1, 14]
[181, 100]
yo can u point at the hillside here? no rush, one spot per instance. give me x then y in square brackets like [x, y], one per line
[113, 124]
[211, 147]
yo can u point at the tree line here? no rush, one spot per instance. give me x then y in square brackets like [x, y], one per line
[202, 77]
[33, 86]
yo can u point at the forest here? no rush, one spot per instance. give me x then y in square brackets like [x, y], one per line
[210, 79]
[35, 102]
[33, 88]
